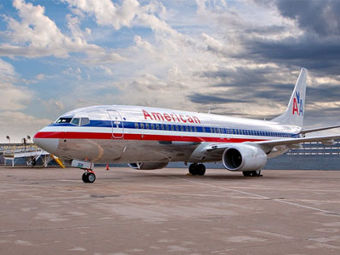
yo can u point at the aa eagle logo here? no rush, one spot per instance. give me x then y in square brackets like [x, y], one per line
[297, 104]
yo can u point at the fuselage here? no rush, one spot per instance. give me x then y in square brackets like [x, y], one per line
[125, 134]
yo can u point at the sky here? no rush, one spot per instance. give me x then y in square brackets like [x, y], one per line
[238, 58]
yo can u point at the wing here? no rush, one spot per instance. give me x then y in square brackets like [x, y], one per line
[213, 151]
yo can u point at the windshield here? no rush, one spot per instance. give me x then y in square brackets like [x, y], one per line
[80, 121]
[84, 121]
[64, 120]
[75, 121]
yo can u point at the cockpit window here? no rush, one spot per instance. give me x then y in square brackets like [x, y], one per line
[84, 121]
[75, 121]
[64, 120]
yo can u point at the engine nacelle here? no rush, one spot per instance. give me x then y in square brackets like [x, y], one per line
[148, 165]
[244, 157]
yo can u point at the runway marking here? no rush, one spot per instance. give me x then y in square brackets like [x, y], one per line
[332, 213]
[291, 189]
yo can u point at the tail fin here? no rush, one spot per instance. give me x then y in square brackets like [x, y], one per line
[295, 109]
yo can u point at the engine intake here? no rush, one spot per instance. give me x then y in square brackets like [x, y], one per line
[244, 157]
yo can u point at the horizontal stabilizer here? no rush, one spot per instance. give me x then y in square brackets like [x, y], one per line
[305, 131]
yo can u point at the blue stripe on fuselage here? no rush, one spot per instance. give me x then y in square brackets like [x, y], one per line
[179, 128]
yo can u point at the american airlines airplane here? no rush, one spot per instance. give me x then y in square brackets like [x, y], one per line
[149, 138]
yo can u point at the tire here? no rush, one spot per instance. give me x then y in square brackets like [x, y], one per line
[84, 177]
[257, 173]
[193, 169]
[246, 173]
[91, 177]
[200, 169]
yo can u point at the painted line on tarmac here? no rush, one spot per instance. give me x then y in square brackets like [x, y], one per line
[332, 213]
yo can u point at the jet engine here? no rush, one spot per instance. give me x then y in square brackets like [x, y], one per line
[244, 157]
[148, 165]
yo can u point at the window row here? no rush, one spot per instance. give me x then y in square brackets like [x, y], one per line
[183, 128]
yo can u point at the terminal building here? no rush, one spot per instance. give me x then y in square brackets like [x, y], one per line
[311, 156]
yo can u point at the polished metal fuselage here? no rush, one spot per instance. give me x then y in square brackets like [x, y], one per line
[126, 134]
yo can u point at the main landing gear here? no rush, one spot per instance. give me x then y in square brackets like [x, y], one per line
[197, 169]
[89, 176]
[256, 173]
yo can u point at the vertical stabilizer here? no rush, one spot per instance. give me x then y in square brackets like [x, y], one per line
[296, 106]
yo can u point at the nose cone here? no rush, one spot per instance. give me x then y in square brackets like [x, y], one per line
[48, 144]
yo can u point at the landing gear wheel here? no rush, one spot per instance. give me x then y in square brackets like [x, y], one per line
[200, 169]
[192, 169]
[84, 177]
[256, 173]
[89, 176]
[246, 173]
[197, 169]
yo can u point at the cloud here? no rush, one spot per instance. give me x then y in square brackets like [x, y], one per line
[319, 17]
[13, 100]
[12, 97]
[108, 13]
[233, 57]
[18, 125]
[315, 44]
[36, 35]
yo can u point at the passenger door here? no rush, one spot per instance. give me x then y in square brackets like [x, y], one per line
[116, 123]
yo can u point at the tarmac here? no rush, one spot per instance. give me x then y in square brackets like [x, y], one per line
[51, 211]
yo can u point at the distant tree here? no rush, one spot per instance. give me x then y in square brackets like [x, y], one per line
[8, 138]
[28, 138]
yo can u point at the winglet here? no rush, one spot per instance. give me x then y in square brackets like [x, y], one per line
[296, 106]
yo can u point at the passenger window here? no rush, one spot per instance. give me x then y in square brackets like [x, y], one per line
[75, 121]
[84, 121]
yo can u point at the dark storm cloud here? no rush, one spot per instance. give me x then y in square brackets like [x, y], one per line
[266, 30]
[318, 48]
[317, 16]
[304, 52]
[326, 92]
[215, 99]
[240, 76]
[245, 85]
[239, 94]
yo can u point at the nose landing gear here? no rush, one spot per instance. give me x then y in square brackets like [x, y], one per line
[89, 176]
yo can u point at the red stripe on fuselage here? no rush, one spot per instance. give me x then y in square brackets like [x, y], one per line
[143, 137]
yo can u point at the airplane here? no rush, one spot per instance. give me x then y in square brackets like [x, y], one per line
[148, 138]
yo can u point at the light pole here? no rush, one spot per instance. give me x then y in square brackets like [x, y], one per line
[24, 142]
[8, 138]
